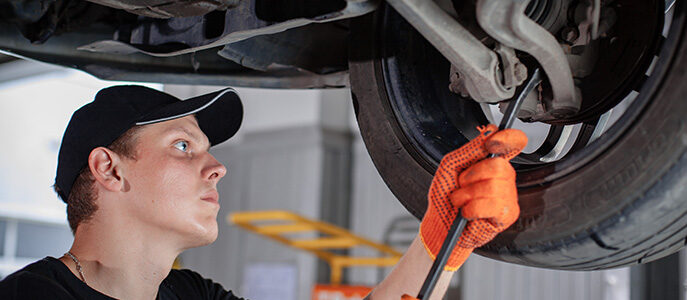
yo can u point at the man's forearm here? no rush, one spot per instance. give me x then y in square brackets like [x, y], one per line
[409, 274]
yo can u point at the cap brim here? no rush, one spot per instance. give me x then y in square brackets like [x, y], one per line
[219, 114]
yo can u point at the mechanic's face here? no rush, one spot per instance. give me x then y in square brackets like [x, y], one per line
[173, 182]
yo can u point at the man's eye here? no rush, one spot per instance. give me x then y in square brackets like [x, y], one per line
[181, 145]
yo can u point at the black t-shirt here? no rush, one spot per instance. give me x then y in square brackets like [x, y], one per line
[49, 278]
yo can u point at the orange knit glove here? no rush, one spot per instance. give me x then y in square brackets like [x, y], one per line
[484, 189]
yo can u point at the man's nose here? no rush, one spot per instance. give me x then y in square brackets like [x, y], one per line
[214, 170]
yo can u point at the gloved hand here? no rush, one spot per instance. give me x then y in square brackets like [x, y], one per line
[484, 189]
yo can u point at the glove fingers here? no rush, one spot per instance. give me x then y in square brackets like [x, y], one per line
[483, 208]
[492, 198]
[507, 143]
[489, 188]
[499, 211]
[490, 168]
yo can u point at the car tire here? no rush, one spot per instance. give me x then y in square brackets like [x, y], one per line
[621, 200]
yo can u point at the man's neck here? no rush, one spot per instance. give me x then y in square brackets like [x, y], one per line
[123, 264]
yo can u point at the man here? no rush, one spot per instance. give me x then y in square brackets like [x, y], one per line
[141, 187]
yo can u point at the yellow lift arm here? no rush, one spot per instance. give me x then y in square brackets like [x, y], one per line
[276, 224]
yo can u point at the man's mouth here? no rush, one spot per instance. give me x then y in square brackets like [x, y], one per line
[211, 196]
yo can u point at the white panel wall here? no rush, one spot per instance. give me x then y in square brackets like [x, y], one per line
[373, 209]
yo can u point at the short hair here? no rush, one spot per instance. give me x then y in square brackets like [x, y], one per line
[81, 202]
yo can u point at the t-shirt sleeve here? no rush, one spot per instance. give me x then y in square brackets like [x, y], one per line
[26, 285]
[187, 284]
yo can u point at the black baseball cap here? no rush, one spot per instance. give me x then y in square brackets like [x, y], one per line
[116, 109]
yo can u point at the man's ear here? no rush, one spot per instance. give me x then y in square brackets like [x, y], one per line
[106, 169]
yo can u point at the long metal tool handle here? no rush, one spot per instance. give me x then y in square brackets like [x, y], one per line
[514, 106]
[459, 222]
[446, 248]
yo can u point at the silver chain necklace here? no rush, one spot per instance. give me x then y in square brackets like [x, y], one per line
[78, 265]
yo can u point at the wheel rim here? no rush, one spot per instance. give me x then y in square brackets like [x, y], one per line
[434, 121]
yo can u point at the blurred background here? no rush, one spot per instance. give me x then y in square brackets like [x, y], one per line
[298, 150]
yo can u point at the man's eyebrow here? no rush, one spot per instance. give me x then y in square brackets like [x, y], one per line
[193, 136]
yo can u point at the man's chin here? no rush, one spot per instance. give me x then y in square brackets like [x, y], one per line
[203, 237]
[211, 239]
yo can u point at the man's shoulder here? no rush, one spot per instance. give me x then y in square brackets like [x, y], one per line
[35, 281]
[41, 269]
[185, 282]
[177, 276]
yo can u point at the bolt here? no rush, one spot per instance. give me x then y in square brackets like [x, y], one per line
[520, 73]
[570, 34]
